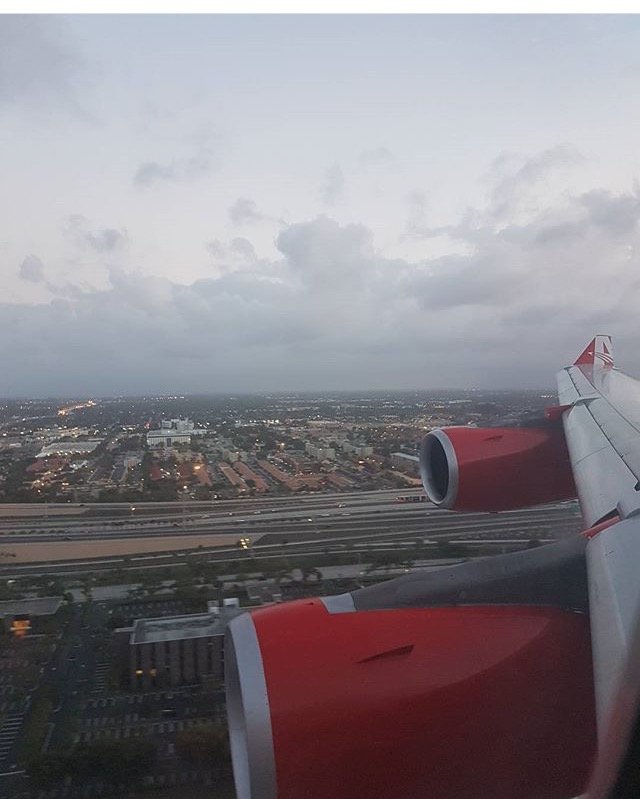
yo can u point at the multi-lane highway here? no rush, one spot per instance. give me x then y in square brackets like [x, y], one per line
[301, 524]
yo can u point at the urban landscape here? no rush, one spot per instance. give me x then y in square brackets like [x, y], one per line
[319, 410]
[133, 530]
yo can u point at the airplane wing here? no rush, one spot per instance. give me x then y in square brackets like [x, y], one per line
[601, 418]
[502, 677]
[602, 429]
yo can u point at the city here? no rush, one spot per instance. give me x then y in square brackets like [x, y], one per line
[319, 430]
[127, 528]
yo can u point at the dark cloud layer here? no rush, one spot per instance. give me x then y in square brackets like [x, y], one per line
[332, 312]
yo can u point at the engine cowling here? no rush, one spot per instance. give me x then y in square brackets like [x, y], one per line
[325, 701]
[494, 469]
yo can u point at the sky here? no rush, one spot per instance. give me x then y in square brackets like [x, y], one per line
[227, 204]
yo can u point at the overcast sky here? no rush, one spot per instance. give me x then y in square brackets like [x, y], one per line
[209, 203]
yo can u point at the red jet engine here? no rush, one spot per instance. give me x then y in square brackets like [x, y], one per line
[497, 468]
[472, 681]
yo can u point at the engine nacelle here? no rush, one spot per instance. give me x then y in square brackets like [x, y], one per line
[327, 701]
[493, 469]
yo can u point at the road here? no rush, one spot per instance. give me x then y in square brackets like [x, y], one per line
[324, 528]
[50, 510]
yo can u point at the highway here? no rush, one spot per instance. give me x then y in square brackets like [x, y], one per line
[331, 525]
[263, 530]
[13, 512]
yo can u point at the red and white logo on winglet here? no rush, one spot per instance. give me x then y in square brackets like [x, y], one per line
[598, 352]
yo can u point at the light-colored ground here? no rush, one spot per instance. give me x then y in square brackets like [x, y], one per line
[38, 510]
[84, 550]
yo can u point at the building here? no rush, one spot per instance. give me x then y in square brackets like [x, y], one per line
[300, 463]
[233, 477]
[319, 452]
[406, 462]
[338, 480]
[276, 474]
[61, 448]
[172, 432]
[167, 438]
[359, 450]
[232, 455]
[20, 617]
[178, 650]
[247, 474]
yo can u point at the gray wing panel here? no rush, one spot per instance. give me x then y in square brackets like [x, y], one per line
[551, 575]
[614, 594]
[603, 437]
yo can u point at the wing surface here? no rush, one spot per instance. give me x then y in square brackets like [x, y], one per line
[601, 416]
[602, 428]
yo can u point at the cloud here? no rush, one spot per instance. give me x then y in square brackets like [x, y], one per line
[331, 311]
[40, 68]
[244, 212]
[32, 269]
[379, 156]
[181, 170]
[327, 255]
[239, 253]
[332, 189]
[106, 240]
[513, 176]
[215, 248]
[101, 240]
[242, 248]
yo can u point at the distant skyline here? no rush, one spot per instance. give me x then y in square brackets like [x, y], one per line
[247, 204]
[540, 391]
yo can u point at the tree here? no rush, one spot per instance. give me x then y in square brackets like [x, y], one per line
[47, 770]
[204, 745]
[282, 575]
[309, 572]
[111, 762]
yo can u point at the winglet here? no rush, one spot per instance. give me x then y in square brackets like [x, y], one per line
[598, 352]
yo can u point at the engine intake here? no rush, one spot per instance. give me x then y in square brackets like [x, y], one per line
[493, 469]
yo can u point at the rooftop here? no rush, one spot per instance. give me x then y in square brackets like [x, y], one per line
[176, 628]
[69, 448]
[40, 606]
[406, 455]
